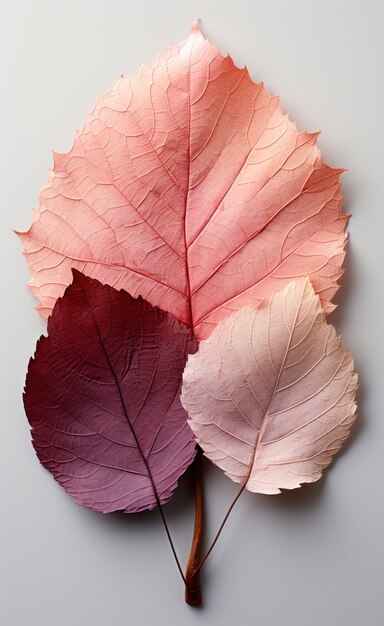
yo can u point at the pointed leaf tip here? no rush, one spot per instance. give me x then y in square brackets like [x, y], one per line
[196, 25]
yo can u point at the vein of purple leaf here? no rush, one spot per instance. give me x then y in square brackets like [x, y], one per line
[136, 440]
[91, 434]
[161, 425]
[87, 460]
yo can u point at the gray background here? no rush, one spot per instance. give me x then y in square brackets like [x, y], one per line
[308, 558]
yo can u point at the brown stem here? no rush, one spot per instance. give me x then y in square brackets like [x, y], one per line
[200, 565]
[192, 575]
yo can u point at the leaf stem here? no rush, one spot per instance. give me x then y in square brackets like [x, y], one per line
[193, 587]
[171, 542]
[201, 563]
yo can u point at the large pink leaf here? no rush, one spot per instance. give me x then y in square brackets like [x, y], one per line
[102, 397]
[271, 393]
[190, 187]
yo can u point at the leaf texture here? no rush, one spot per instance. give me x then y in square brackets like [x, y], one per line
[188, 186]
[270, 394]
[103, 399]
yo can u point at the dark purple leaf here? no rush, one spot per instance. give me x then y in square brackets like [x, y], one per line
[103, 398]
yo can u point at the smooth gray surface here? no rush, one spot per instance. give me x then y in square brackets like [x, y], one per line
[309, 558]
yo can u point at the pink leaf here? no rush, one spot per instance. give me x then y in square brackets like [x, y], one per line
[188, 186]
[270, 394]
[102, 397]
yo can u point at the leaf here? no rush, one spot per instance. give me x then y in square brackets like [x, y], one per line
[188, 186]
[270, 394]
[102, 397]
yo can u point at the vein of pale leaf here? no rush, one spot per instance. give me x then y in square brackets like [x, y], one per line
[98, 215]
[243, 415]
[231, 434]
[213, 162]
[225, 453]
[218, 117]
[254, 355]
[285, 316]
[281, 166]
[237, 478]
[303, 319]
[258, 282]
[268, 338]
[313, 395]
[266, 482]
[143, 134]
[51, 267]
[105, 264]
[150, 141]
[146, 221]
[174, 86]
[334, 427]
[59, 217]
[331, 175]
[53, 282]
[309, 330]
[247, 381]
[242, 165]
[302, 358]
[266, 414]
[298, 223]
[293, 461]
[188, 278]
[251, 238]
[127, 200]
[295, 382]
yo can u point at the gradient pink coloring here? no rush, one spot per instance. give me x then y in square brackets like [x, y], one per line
[188, 186]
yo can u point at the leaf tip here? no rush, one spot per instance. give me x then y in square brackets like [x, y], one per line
[195, 28]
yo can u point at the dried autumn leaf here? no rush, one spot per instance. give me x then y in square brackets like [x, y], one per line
[270, 394]
[188, 186]
[102, 397]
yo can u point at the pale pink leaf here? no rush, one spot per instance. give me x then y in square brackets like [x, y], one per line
[270, 394]
[188, 186]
